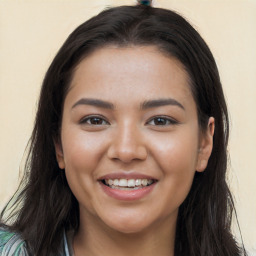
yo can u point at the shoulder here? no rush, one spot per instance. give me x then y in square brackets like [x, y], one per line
[11, 244]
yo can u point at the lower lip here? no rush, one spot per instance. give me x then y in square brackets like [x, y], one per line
[127, 195]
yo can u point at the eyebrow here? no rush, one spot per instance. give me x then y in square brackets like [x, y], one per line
[94, 102]
[145, 105]
[161, 102]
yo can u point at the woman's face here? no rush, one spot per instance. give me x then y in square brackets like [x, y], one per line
[130, 141]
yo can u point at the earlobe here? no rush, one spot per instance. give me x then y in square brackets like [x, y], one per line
[206, 144]
[59, 154]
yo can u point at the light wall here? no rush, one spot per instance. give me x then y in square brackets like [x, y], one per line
[31, 31]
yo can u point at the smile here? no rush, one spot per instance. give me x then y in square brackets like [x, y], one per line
[127, 187]
[127, 184]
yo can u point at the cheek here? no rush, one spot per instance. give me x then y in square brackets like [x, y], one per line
[177, 152]
[177, 157]
[82, 150]
[82, 153]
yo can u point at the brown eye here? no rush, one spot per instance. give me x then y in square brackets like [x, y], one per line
[162, 121]
[94, 120]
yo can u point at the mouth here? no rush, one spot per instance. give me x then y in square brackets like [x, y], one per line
[128, 184]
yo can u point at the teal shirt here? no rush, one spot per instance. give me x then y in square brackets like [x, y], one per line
[11, 244]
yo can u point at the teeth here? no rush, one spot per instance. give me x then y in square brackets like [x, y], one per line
[130, 183]
[138, 182]
[144, 182]
[122, 183]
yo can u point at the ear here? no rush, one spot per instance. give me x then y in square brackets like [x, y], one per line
[59, 153]
[205, 146]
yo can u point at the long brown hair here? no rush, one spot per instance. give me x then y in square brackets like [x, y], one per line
[44, 206]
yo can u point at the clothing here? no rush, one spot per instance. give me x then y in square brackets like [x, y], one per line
[11, 244]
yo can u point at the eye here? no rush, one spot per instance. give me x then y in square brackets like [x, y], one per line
[162, 121]
[94, 120]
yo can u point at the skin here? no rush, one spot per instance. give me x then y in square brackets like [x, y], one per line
[129, 139]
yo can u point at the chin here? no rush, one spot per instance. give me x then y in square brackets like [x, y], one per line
[129, 225]
[129, 229]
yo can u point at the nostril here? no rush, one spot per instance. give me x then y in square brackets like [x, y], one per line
[126, 155]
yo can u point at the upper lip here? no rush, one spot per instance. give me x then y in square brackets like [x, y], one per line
[126, 175]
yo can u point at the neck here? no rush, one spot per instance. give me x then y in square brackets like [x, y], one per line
[94, 240]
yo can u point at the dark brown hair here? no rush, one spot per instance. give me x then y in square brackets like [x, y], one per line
[44, 204]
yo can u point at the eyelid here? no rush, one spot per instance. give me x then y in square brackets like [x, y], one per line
[168, 118]
[86, 118]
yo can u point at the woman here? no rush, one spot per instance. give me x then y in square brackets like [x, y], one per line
[129, 150]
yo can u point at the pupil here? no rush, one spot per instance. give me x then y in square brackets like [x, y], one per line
[96, 120]
[160, 121]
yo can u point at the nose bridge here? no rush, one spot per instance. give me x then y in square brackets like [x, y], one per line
[127, 144]
[129, 137]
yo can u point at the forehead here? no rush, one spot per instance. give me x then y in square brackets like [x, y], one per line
[136, 72]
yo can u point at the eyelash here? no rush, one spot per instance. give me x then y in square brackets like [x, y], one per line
[84, 120]
[167, 121]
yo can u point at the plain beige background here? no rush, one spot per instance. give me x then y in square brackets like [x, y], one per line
[31, 31]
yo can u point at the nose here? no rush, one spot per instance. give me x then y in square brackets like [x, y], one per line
[127, 144]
